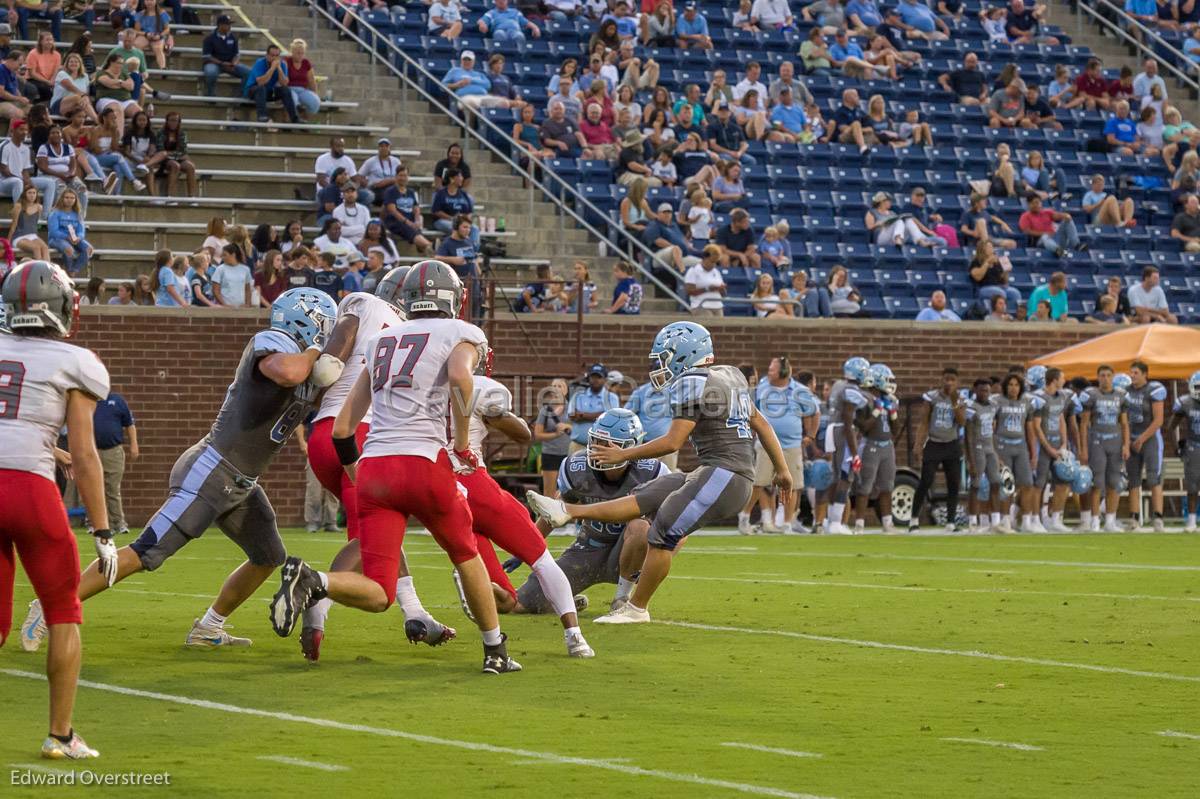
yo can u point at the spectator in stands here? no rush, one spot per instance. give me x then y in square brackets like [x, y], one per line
[1037, 178]
[1120, 131]
[1053, 294]
[1006, 108]
[56, 159]
[787, 78]
[766, 302]
[936, 310]
[264, 239]
[751, 82]
[1059, 91]
[775, 249]
[634, 210]
[1091, 89]
[569, 69]
[998, 307]
[627, 22]
[788, 122]
[1105, 208]
[325, 275]
[627, 292]
[750, 113]
[923, 214]
[154, 32]
[1106, 312]
[844, 299]
[848, 124]
[450, 202]
[124, 295]
[563, 10]
[352, 215]
[597, 95]
[94, 294]
[725, 136]
[232, 279]
[215, 241]
[268, 81]
[469, 84]
[598, 141]
[660, 102]
[376, 240]
[299, 274]
[379, 171]
[376, 270]
[889, 228]
[330, 197]
[878, 122]
[656, 29]
[534, 295]
[863, 15]
[671, 247]
[445, 19]
[814, 54]
[402, 213]
[105, 144]
[302, 78]
[172, 140]
[967, 83]
[813, 301]
[1147, 79]
[634, 72]
[704, 284]
[692, 100]
[506, 24]
[1053, 231]
[142, 295]
[37, 9]
[326, 163]
[1115, 292]
[71, 89]
[501, 85]
[691, 29]
[1038, 112]
[830, 16]
[975, 223]
[66, 231]
[452, 160]
[350, 272]
[580, 276]
[332, 242]
[221, 54]
[127, 48]
[1150, 132]
[631, 163]
[13, 104]
[737, 241]
[848, 56]
[1024, 23]
[1185, 227]
[171, 289]
[43, 62]
[23, 229]
[528, 134]
[728, 190]
[114, 88]
[1148, 301]
[16, 170]
[989, 275]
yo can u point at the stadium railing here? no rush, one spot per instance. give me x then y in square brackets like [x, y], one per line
[1100, 12]
[412, 75]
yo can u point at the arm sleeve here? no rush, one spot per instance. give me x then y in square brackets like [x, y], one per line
[126, 414]
[1158, 392]
[266, 342]
[565, 489]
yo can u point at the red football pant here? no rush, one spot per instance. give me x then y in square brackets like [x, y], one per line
[504, 521]
[393, 487]
[495, 571]
[34, 527]
[323, 459]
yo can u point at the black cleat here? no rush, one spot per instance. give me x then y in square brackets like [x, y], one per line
[418, 632]
[496, 659]
[299, 587]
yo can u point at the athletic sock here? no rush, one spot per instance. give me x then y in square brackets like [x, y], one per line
[860, 524]
[1191, 518]
[314, 617]
[836, 511]
[743, 517]
[212, 619]
[1085, 517]
[1110, 518]
[1027, 520]
[995, 518]
[887, 520]
[492, 637]
[624, 588]
[410, 603]
[66, 739]
[973, 521]
[569, 631]
[1056, 517]
[555, 584]
[324, 578]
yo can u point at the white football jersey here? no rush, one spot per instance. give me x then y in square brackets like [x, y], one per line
[373, 315]
[410, 387]
[492, 398]
[35, 376]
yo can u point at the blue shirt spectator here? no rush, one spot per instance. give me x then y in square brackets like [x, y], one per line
[784, 408]
[506, 24]
[587, 404]
[219, 46]
[328, 281]
[1191, 48]
[8, 73]
[477, 83]
[790, 116]
[866, 11]
[168, 279]
[842, 52]
[406, 201]
[1142, 8]
[460, 248]
[688, 27]
[632, 290]
[453, 204]
[1125, 130]
[653, 409]
[110, 421]
[258, 70]
[918, 15]
[937, 311]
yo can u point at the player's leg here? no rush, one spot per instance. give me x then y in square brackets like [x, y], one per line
[1152, 460]
[1112, 484]
[631, 556]
[952, 467]
[1191, 485]
[502, 587]
[1133, 470]
[885, 481]
[929, 465]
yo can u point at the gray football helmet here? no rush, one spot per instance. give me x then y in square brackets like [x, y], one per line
[431, 285]
[39, 295]
[389, 288]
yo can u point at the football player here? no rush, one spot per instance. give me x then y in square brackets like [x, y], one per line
[1015, 445]
[360, 317]
[46, 383]
[1051, 429]
[215, 482]
[417, 375]
[1186, 413]
[876, 476]
[982, 462]
[1145, 405]
[1104, 444]
[841, 439]
[711, 405]
[937, 446]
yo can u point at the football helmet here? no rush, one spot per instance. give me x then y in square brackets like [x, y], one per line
[616, 427]
[1122, 381]
[1194, 386]
[855, 369]
[388, 289]
[1008, 483]
[431, 285]
[306, 314]
[881, 377]
[1035, 378]
[818, 475]
[1083, 480]
[1066, 468]
[678, 347]
[39, 295]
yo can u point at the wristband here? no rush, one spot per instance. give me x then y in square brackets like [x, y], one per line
[347, 449]
[105, 534]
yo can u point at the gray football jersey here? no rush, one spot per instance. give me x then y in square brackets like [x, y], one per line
[1139, 404]
[1011, 416]
[258, 415]
[981, 422]
[942, 426]
[1189, 409]
[878, 432]
[842, 394]
[717, 399]
[1105, 410]
[579, 483]
[1053, 408]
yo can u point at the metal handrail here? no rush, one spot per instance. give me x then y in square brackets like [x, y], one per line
[1149, 52]
[463, 120]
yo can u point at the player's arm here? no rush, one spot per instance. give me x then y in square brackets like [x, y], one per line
[289, 369]
[970, 442]
[671, 441]
[770, 444]
[1072, 427]
[460, 369]
[510, 425]
[1124, 435]
[1169, 427]
[341, 340]
[848, 410]
[1156, 421]
[89, 477]
[1039, 435]
[346, 424]
[1085, 421]
[135, 451]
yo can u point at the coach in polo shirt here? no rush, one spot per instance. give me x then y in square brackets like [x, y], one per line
[112, 422]
[587, 404]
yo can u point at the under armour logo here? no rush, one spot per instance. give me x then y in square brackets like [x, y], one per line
[228, 489]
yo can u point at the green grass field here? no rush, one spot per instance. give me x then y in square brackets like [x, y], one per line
[873, 667]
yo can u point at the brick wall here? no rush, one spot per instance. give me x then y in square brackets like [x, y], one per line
[173, 367]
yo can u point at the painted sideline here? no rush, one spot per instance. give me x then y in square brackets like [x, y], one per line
[1001, 744]
[295, 761]
[770, 749]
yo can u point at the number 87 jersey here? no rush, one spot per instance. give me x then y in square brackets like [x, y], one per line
[410, 386]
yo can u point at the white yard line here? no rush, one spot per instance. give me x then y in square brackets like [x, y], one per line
[40, 769]
[1176, 734]
[990, 571]
[885, 574]
[923, 589]
[1072, 564]
[769, 749]
[1001, 744]
[295, 761]
[475, 746]
[927, 650]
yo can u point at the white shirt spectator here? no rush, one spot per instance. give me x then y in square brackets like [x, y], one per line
[566, 6]
[17, 159]
[341, 249]
[1143, 83]
[709, 279]
[770, 12]
[447, 10]
[233, 279]
[701, 226]
[354, 221]
[326, 163]
[375, 170]
[1154, 299]
[745, 85]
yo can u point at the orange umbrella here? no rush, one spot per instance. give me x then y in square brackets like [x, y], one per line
[1171, 352]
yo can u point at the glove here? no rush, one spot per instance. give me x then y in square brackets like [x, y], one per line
[512, 564]
[463, 461]
[856, 464]
[106, 554]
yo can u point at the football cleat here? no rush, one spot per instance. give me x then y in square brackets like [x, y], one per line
[1159, 526]
[552, 510]
[428, 631]
[496, 659]
[744, 525]
[203, 637]
[1057, 527]
[951, 528]
[462, 595]
[1003, 527]
[1113, 526]
[33, 629]
[310, 643]
[298, 587]
[74, 749]
[625, 614]
[837, 528]
[577, 647]
[769, 527]
[581, 603]
[1189, 526]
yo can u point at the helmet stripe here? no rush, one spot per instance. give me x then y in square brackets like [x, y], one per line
[24, 284]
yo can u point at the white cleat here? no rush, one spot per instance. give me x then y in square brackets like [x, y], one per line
[951, 529]
[744, 526]
[796, 528]
[1095, 525]
[626, 614]
[1113, 526]
[210, 637]
[1036, 526]
[890, 529]
[33, 629]
[1003, 527]
[837, 528]
[577, 647]
[1189, 527]
[769, 527]
[1159, 526]
[552, 510]
[1057, 527]
[74, 749]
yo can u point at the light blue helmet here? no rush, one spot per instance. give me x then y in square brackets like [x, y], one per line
[617, 427]
[1123, 483]
[818, 475]
[1066, 468]
[1194, 386]
[856, 369]
[678, 347]
[1008, 482]
[1035, 378]
[1083, 480]
[1122, 381]
[983, 488]
[307, 315]
[881, 377]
